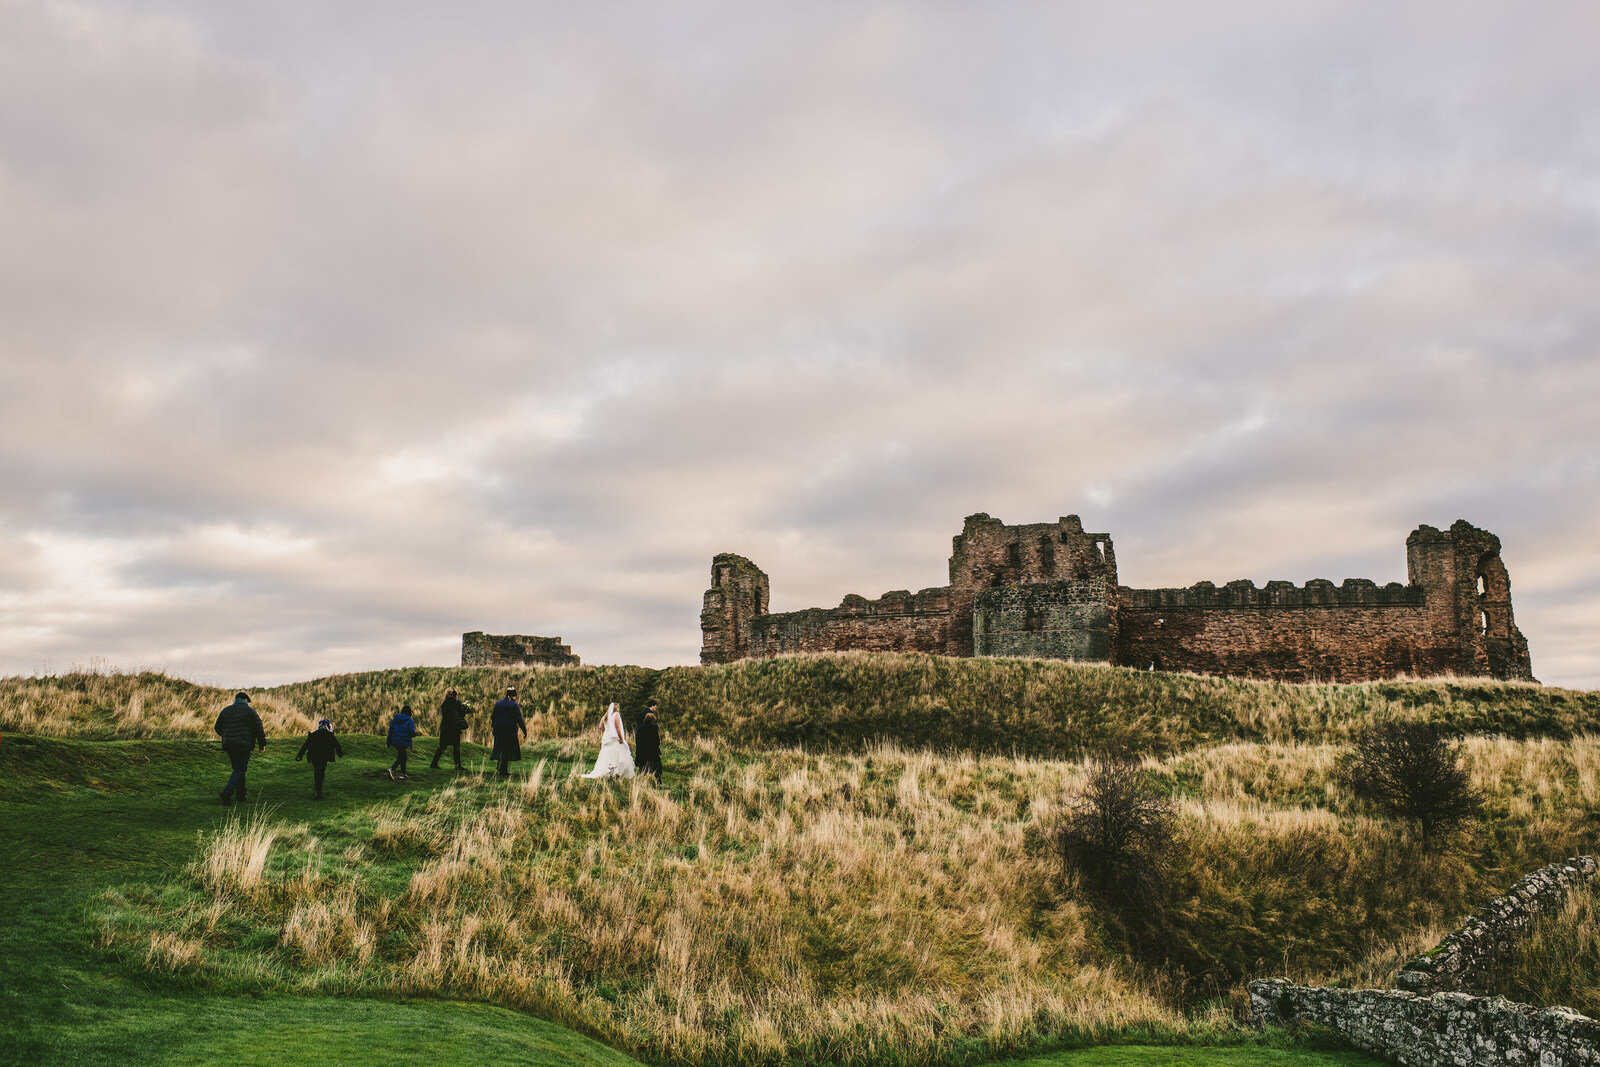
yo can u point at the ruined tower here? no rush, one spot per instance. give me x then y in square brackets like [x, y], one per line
[1467, 592]
[737, 595]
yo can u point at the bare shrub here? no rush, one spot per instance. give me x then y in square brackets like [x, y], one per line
[1118, 833]
[1411, 769]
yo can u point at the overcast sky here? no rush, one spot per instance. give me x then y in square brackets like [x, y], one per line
[330, 331]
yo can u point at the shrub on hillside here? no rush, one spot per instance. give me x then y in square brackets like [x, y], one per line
[1412, 770]
[1118, 833]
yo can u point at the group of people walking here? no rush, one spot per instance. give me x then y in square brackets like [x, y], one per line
[615, 759]
[241, 731]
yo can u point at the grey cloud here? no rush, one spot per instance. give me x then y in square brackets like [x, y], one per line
[508, 317]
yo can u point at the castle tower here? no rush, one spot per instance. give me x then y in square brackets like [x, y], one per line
[988, 554]
[738, 593]
[1467, 593]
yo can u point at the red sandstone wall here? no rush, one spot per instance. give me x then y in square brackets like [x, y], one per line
[1311, 644]
[838, 630]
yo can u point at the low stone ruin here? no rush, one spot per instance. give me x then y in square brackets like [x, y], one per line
[1436, 1019]
[479, 649]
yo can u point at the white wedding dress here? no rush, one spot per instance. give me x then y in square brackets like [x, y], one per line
[616, 759]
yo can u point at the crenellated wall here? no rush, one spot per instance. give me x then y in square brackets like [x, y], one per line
[1050, 590]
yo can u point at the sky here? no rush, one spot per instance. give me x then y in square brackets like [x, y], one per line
[331, 331]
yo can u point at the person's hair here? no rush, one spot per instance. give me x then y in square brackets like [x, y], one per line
[511, 689]
[650, 703]
[242, 695]
[405, 709]
[449, 692]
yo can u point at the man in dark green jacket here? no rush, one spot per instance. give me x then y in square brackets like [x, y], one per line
[240, 729]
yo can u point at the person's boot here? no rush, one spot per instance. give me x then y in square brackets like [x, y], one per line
[227, 798]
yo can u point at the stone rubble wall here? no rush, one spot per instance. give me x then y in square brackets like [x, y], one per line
[1433, 1021]
[1467, 960]
[1442, 1030]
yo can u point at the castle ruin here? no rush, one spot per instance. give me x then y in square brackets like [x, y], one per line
[1050, 590]
[479, 649]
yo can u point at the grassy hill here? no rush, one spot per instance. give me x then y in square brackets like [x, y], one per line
[800, 891]
[846, 701]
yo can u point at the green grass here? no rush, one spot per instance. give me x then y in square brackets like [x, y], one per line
[1159, 1056]
[78, 817]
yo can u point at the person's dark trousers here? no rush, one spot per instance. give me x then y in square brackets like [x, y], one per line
[399, 766]
[455, 746]
[319, 771]
[505, 767]
[653, 769]
[239, 756]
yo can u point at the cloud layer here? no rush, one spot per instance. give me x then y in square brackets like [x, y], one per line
[327, 334]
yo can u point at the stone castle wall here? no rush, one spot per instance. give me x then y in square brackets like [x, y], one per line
[479, 649]
[1050, 590]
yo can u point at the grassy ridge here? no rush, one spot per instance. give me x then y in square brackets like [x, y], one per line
[1052, 708]
[846, 701]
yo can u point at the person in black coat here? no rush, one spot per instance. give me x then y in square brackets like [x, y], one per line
[647, 743]
[452, 721]
[507, 720]
[240, 729]
[323, 748]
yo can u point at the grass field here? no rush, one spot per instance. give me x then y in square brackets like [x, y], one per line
[849, 902]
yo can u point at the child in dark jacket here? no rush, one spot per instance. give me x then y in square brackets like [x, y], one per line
[323, 748]
[402, 728]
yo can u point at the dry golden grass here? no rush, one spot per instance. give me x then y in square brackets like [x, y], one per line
[887, 906]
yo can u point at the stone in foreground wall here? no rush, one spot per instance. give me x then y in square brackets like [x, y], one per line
[1467, 960]
[479, 649]
[1442, 1030]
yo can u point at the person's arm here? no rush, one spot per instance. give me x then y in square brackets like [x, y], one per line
[217, 726]
[260, 731]
[303, 745]
[338, 749]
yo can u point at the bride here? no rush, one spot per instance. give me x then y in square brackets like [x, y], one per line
[615, 760]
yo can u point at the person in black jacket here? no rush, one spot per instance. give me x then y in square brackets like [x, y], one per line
[323, 749]
[452, 721]
[240, 729]
[647, 743]
[506, 720]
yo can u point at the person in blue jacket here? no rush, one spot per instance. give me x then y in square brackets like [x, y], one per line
[402, 728]
[240, 729]
[323, 748]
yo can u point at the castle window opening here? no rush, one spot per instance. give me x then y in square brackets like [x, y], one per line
[1014, 555]
[1483, 622]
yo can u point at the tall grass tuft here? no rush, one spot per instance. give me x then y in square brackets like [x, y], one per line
[1558, 963]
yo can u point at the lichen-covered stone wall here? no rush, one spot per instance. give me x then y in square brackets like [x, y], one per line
[1468, 960]
[1436, 1019]
[479, 649]
[1442, 1030]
